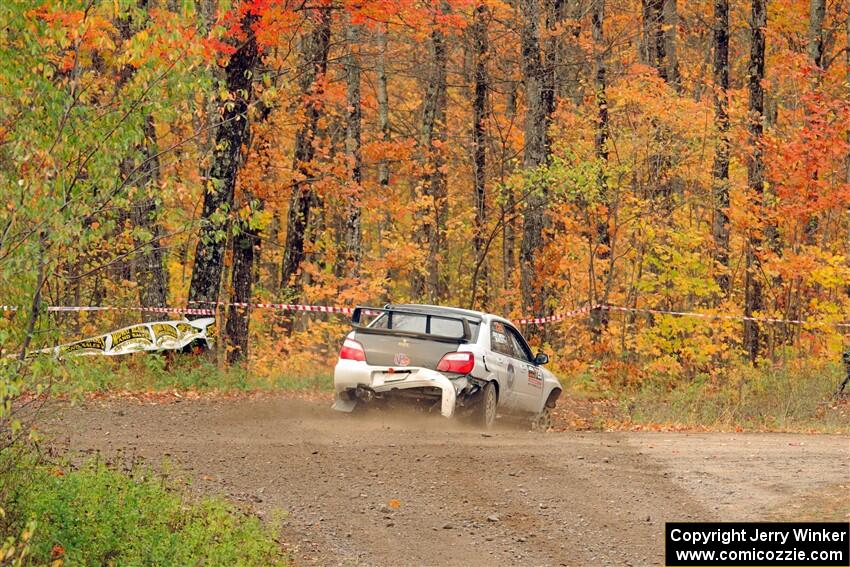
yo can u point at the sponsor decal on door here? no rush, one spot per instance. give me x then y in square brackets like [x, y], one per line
[534, 378]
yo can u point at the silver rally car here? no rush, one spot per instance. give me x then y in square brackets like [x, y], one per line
[454, 361]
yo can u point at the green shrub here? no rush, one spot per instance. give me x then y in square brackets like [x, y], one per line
[97, 516]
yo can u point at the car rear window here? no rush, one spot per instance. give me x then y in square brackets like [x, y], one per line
[415, 323]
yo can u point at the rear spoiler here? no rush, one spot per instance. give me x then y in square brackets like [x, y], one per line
[356, 317]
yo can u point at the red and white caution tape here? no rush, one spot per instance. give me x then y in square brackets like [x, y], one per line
[281, 306]
[717, 316]
[78, 308]
[185, 311]
[554, 318]
[712, 316]
[349, 310]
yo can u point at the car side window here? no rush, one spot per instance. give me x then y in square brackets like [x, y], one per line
[521, 350]
[499, 340]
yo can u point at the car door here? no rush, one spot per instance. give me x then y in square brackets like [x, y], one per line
[500, 360]
[528, 382]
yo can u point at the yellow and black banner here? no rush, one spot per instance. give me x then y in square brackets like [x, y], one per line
[163, 335]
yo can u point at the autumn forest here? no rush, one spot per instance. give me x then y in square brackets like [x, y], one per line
[597, 159]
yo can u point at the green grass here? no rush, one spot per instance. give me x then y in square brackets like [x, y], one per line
[783, 398]
[98, 516]
[154, 372]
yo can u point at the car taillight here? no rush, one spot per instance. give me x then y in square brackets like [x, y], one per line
[457, 362]
[352, 350]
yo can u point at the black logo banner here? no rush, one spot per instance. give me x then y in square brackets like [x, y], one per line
[761, 544]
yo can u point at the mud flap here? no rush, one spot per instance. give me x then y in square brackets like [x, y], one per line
[344, 405]
[449, 398]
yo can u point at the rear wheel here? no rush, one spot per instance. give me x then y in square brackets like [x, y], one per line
[485, 413]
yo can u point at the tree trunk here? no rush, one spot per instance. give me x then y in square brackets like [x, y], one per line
[720, 169]
[353, 235]
[507, 198]
[847, 82]
[383, 99]
[535, 154]
[246, 250]
[660, 39]
[314, 64]
[432, 229]
[231, 134]
[150, 262]
[551, 49]
[755, 174]
[573, 65]
[602, 127]
[602, 240]
[646, 45]
[815, 48]
[269, 262]
[657, 37]
[209, 119]
[148, 266]
[479, 143]
[654, 38]
[245, 243]
[383, 107]
[671, 40]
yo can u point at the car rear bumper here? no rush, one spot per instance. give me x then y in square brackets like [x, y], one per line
[351, 374]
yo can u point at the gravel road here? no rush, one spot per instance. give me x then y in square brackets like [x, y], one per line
[407, 490]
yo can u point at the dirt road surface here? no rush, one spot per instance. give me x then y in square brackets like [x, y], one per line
[405, 490]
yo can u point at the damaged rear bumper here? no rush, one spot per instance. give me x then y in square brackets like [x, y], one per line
[356, 382]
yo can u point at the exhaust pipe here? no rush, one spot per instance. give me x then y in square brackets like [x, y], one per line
[364, 393]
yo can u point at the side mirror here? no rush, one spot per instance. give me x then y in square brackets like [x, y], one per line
[541, 359]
